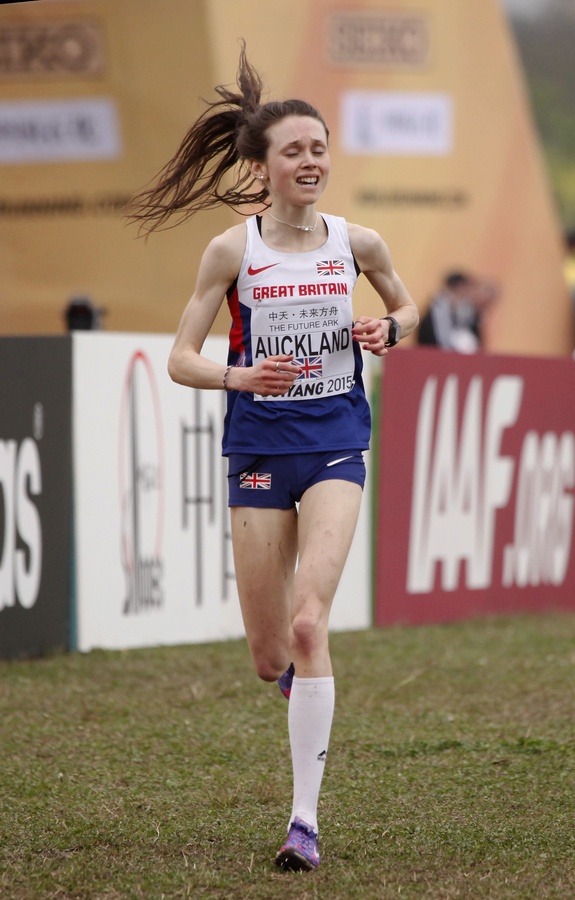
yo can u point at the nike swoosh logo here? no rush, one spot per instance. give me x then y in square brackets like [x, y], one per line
[334, 462]
[252, 271]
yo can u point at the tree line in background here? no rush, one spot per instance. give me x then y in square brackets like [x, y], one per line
[545, 43]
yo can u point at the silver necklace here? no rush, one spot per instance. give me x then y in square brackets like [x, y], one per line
[300, 227]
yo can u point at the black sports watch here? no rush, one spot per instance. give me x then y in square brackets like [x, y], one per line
[394, 334]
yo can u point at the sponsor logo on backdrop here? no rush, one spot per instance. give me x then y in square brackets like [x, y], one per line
[204, 481]
[378, 38]
[64, 49]
[396, 123]
[38, 131]
[462, 480]
[141, 482]
[451, 198]
[20, 524]
[104, 204]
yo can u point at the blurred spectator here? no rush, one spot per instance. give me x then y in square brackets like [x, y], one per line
[454, 318]
[82, 315]
[569, 261]
[569, 267]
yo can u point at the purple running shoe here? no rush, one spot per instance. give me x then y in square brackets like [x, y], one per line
[285, 682]
[300, 851]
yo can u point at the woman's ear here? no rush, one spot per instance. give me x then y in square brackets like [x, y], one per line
[258, 170]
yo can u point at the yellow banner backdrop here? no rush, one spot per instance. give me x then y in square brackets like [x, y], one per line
[432, 144]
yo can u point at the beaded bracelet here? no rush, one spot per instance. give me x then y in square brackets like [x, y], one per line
[225, 378]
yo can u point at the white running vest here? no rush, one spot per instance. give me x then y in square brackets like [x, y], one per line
[301, 304]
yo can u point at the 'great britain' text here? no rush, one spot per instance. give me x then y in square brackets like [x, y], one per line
[277, 291]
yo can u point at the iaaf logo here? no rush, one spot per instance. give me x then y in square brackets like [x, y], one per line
[20, 525]
[462, 479]
[141, 479]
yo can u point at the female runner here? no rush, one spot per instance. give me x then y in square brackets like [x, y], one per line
[297, 417]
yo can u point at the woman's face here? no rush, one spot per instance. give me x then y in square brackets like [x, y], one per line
[297, 164]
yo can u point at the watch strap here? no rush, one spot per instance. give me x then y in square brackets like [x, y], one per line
[394, 332]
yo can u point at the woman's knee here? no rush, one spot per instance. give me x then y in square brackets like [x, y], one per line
[269, 665]
[309, 630]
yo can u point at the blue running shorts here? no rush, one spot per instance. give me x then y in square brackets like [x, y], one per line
[279, 482]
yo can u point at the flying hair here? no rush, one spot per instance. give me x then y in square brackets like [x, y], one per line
[226, 136]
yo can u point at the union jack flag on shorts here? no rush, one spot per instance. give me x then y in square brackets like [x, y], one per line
[312, 366]
[330, 267]
[256, 481]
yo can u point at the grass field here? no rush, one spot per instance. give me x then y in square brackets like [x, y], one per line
[165, 772]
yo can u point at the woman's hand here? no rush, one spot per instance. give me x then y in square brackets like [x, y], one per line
[270, 378]
[371, 334]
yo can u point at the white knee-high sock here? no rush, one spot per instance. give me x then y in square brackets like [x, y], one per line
[310, 715]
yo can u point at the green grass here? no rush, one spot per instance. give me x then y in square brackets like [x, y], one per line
[165, 772]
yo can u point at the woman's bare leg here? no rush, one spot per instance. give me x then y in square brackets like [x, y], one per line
[327, 521]
[265, 554]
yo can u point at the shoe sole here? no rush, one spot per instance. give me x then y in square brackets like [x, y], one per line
[292, 861]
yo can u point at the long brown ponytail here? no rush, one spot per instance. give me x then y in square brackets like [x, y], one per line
[231, 131]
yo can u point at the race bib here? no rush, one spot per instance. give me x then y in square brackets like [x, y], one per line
[320, 339]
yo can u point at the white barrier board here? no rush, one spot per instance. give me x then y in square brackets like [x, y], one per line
[153, 550]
